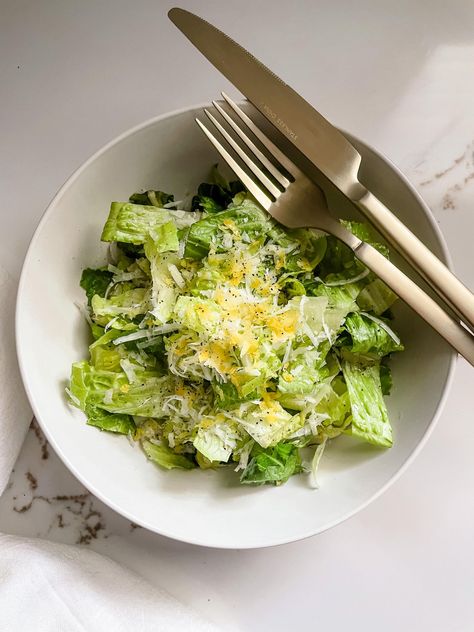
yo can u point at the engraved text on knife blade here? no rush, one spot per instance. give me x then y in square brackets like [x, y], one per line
[279, 122]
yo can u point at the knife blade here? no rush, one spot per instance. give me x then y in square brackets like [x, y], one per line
[324, 145]
[306, 128]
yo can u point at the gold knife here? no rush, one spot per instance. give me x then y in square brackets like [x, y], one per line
[325, 146]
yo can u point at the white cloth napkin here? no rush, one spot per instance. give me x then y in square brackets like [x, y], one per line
[49, 587]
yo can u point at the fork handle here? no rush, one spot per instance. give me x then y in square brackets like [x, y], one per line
[443, 282]
[451, 330]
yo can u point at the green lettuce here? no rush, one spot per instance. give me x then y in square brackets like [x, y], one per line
[335, 405]
[105, 338]
[95, 282]
[247, 217]
[165, 238]
[216, 195]
[118, 423]
[202, 315]
[339, 296]
[368, 337]
[228, 396]
[365, 233]
[220, 336]
[132, 223]
[370, 420]
[269, 426]
[212, 443]
[339, 261]
[376, 297]
[128, 304]
[111, 390]
[165, 457]
[151, 198]
[164, 289]
[106, 358]
[272, 465]
[386, 379]
[311, 250]
[301, 373]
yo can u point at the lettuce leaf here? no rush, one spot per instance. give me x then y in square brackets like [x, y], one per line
[106, 358]
[339, 260]
[128, 304]
[121, 424]
[132, 223]
[365, 233]
[376, 297]
[95, 282]
[216, 443]
[338, 295]
[386, 379]
[151, 198]
[228, 396]
[164, 289]
[368, 337]
[165, 238]
[272, 465]
[370, 420]
[247, 217]
[165, 457]
[111, 390]
[216, 195]
[202, 315]
[312, 248]
[336, 406]
[268, 423]
[301, 373]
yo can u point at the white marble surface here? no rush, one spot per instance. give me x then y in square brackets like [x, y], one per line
[73, 75]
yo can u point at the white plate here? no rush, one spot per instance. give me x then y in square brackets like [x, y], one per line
[202, 507]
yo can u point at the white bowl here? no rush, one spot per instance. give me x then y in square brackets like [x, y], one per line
[202, 507]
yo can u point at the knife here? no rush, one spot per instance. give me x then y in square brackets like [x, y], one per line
[325, 146]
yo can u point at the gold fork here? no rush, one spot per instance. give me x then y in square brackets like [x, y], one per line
[296, 202]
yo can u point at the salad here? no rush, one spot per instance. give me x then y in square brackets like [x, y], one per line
[219, 337]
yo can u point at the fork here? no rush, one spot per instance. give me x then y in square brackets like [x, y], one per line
[290, 197]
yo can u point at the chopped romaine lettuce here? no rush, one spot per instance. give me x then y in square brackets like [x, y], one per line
[164, 238]
[245, 219]
[369, 413]
[95, 282]
[376, 297]
[165, 457]
[153, 198]
[132, 223]
[272, 465]
[222, 337]
[121, 424]
[113, 391]
[129, 304]
[371, 337]
[216, 442]
[365, 233]
[216, 195]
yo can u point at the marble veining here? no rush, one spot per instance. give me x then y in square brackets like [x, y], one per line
[43, 499]
[458, 175]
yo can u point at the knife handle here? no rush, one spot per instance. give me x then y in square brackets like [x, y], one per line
[452, 331]
[444, 283]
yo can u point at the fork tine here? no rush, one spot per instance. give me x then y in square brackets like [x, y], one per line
[279, 177]
[254, 168]
[285, 162]
[247, 181]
